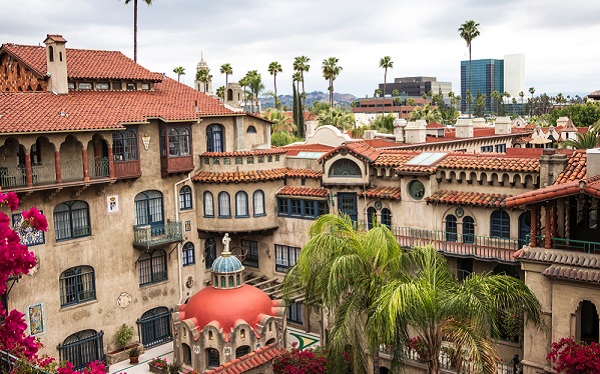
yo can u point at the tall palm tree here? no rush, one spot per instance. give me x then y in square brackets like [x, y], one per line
[344, 270]
[429, 300]
[428, 113]
[301, 65]
[331, 70]
[135, 7]
[254, 82]
[179, 70]
[468, 31]
[385, 63]
[220, 92]
[274, 68]
[227, 70]
[336, 117]
[203, 75]
[531, 91]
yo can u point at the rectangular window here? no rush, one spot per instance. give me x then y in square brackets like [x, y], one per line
[117, 86]
[282, 207]
[250, 160]
[226, 161]
[296, 207]
[84, 86]
[251, 253]
[309, 208]
[285, 257]
[145, 86]
[294, 313]
[71, 85]
[500, 148]
[102, 86]
[130, 86]
[487, 148]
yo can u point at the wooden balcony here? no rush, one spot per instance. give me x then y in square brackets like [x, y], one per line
[247, 225]
[127, 169]
[174, 165]
[150, 237]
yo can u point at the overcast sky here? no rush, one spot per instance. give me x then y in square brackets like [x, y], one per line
[559, 38]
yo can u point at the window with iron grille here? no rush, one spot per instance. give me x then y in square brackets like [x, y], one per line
[210, 252]
[77, 285]
[152, 267]
[213, 357]
[187, 254]
[82, 348]
[185, 198]
[294, 313]
[71, 220]
[285, 257]
[242, 351]
[251, 251]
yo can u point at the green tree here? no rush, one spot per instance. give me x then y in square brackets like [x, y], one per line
[495, 98]
[383, 123]
[590, 139]
[385, 63]
[411, 102]
[254, 82]
[340, 118]
[203, 75]
[331, 70]
[428, 113]
[377, 92]
[582, 115]
[469, 31]
[430, 301]
[227, 70]
[344, 270]
[180, 70]
[135, 10]
[301, 65]
[395, 93]
[317, 107]
[480, 104]
[274, 68]
[221, 92]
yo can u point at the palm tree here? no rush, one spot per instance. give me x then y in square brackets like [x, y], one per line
[274, 68]
[331, 70]
[135, 7]
[377, 92]
[344, 270]
[227, 70]
[301, 65]
[180, 70]
[220, 92]
[385, 63]
[254, 82]
[395, 93]
[340, 118]
[429, 300]
[495, 98]
[588, 140]
[428, 113]
[531, 91]
[468, 31]
[203, 76]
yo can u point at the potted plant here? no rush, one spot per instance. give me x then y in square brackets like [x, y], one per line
[123, 336]
[158, 365]
[123, 345]
[134, 354]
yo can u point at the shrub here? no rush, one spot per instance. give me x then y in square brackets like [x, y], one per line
[570, 356]
[123, 335]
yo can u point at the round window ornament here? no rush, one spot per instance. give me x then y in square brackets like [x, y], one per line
[459, 212]
[416, 189]
[378, 205]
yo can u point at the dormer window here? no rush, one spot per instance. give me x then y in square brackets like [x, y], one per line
[84, 86]
[117, 86]
[145, 86]
[130, 86]
[102, 86]
[71, 85]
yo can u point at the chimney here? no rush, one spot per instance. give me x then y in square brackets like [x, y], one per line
[399, 125]
[479, 122]
[56, 60]
[310, 127]
[464, 128]
[551, 165]
[592, 162]
[562, 121]
[416, 132]
[369, 134]
[503, 126]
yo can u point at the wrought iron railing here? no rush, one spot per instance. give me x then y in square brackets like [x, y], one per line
[10, 363]
[43, 173]
[98, 167]
[154, 236]
[12, 176]
[572, 244]
[71, 170]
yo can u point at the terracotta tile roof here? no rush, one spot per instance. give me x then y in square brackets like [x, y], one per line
[391, 193]
[303, 191]
[496, 162]
[86, 110]
[358, 148]
[573, 273]
[394, 158]
[434, 125]
[257, 152]
[575, 169]
[490, 200]
[591, 186]
[240, 176]
[304, 173]
[84, 63]
[250, 361]
[559, 257]
[295, 149]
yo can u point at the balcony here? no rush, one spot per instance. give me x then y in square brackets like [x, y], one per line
[239, 225]
[481, 247]
[150, 237]
[174, 165]
[573, 245]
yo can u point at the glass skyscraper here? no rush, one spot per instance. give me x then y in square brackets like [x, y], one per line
[488, 76]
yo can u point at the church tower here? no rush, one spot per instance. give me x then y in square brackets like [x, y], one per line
[204, 84]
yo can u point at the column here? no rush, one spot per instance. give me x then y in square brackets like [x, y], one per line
[84, 158]
[57, 166]
[534, 223]
[111, 164]
[554, 219]
[28, 173]
[548, 229]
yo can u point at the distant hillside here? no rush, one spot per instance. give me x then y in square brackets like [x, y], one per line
[341, 99]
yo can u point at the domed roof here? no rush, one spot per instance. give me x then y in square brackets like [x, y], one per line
[228, 306]
[227, 263]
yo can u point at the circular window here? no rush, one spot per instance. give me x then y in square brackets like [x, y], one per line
[416, 190]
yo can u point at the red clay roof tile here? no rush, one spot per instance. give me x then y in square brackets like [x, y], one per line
[491, 200]
[391, 193]
[240, 176]
[575, 169]
[256, 152]
[303, 191]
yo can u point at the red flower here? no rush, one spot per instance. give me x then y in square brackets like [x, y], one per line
[35, 219]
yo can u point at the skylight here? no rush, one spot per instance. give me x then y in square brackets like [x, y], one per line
[305, 154]
[426, 158]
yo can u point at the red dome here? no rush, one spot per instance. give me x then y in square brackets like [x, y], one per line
[227, 306]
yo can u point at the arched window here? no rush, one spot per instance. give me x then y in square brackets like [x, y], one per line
[210, 253]
[82, 348]
[125, 147]
[149, 211]
[468, 230]
[251, 130]
[72, 220]
[215, 140]
[187, 254]
[587, 322]
[187, 354]
[345, 168]
[152, 267]
[451, 228]
[270, 341]
[371, 217]
[179, 141]
[241, 204]
[258, 199]
[209, 206]
[386, 217]
[230, 95]
[500, 224]
[77, 285]
[155, 327]
[185, 198]
[212, 356]
[224, 209]
[242, 351]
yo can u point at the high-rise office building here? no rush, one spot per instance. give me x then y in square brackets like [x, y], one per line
[488, 76]
[417, 86]
[514, 74]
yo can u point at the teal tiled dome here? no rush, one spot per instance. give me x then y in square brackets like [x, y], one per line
[227, 263]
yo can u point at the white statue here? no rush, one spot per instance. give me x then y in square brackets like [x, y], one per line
[226, 240]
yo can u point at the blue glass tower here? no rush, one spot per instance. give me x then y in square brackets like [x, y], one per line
[488, 76]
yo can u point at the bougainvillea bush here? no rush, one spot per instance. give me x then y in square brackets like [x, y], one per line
[305, 361]
[15, 260]
[570, 356]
